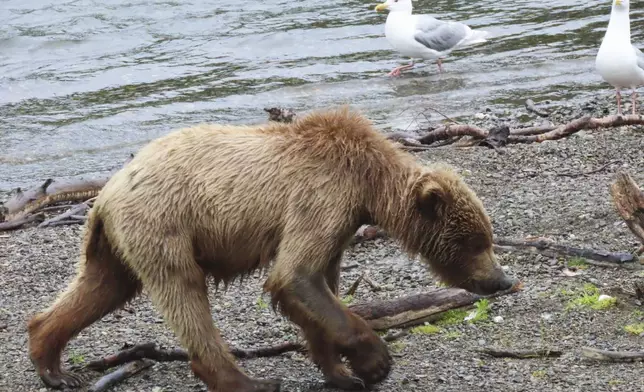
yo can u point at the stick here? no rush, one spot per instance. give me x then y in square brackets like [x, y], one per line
[75, 210]
[612, 356]
[152, 351]
[520, 354]
[20, 221]
[601, 168]
[123, 373]
[548, 248]
[354, 286]
[531, 107]
[533, 134]
[374, 286]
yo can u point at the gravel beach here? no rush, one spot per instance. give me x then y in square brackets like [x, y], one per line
[533, 189]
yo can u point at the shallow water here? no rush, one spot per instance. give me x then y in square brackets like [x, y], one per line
[84, 83]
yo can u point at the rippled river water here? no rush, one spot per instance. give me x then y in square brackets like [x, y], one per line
[84, 83]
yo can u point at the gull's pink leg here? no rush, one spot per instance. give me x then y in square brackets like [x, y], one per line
[440, 65]
[396, 71]
[634, 101]
[619, 102]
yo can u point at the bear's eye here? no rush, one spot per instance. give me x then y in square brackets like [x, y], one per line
[475, 243]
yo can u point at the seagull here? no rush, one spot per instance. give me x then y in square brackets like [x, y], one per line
[619, 62]
[422, 36]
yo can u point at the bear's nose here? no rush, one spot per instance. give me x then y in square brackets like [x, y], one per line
[507, 282]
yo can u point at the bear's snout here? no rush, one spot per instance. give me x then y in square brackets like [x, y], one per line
[501, 282]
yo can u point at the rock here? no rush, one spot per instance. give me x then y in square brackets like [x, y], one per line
[497, 319]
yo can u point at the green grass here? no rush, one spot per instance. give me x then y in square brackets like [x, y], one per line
[347, 300]
[457, 316]
[482, 310]
[451, 335]
[635, 329]
[539, 374]
[397, 346]
[452, 317]
[578, 262]
[261, 303]
[589, 298]
[428, 329]
[76, 359]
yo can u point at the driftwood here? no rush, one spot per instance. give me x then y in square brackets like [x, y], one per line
[21, 221]
[495, 137]
[381, 315]
[416, 309]
[612, 356]
[531, 107]
[72, 214]
[551, 249]
[153, 351]
[519, 354]
[629, 203]
[123, 373]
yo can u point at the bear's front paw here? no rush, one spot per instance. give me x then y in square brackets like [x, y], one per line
[369, 358]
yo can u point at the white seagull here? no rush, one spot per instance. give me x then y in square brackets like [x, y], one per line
[619, 62]
[422, 36]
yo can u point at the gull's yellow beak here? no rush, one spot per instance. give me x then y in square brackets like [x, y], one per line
[383, 6]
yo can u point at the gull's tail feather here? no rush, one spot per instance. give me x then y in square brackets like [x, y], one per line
[474, 37]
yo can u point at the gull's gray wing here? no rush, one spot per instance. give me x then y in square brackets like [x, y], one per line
[640, 57]
[438, 35]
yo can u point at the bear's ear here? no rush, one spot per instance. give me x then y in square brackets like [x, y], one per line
[431, 198]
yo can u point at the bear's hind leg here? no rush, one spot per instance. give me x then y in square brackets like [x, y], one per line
[181, 295]
[101, 286]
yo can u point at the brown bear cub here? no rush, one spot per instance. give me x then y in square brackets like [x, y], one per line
[221, 201]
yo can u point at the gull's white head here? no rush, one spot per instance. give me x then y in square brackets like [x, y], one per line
[621, 4]
[399, 5]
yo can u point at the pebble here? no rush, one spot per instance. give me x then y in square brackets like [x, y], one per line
[497, 319]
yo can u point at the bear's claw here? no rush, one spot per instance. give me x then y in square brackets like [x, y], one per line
[61, 379]
[343, 379]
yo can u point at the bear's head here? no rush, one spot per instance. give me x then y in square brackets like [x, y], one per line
[454, 233]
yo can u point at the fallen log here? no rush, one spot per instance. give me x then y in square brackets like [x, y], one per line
[612, 356]
[629, 203]
[519, 354]
[416, 309]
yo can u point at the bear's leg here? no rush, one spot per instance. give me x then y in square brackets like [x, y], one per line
[181, 295]
[298, 284]
[101, 286]
[322, 351]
